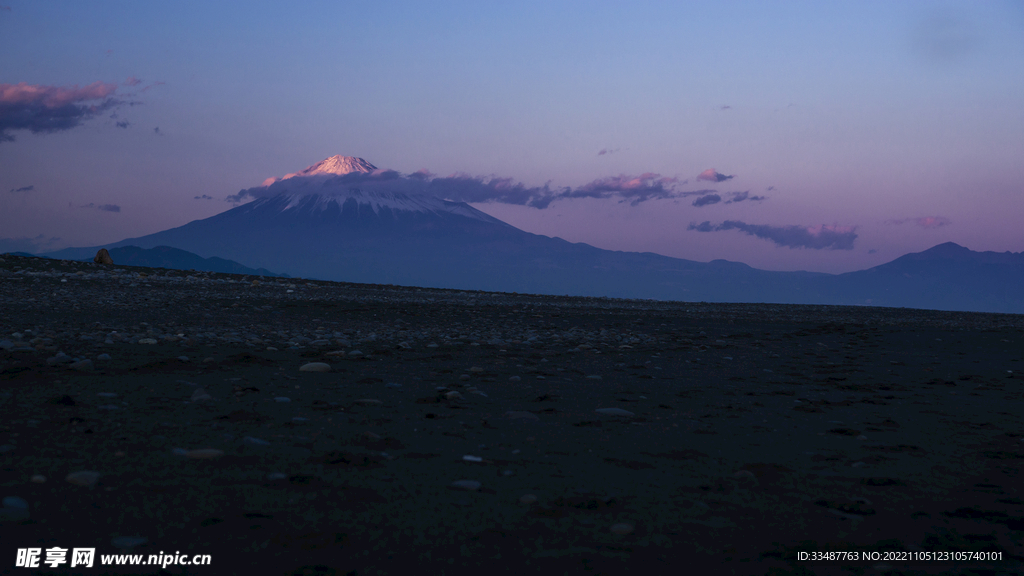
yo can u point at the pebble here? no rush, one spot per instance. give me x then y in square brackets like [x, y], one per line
[274, 476]
[200, 395]
[315, 367]
[528, 499]
[471, 458]
[521, 415]
[299, 419]
[614, 412]
[103, 357]
[453, 395]
[622, 528]
[476, 369]
[183, 358]
[744, 475]
[204, 454]
[38, 478]
[147, 341]
[83, 478]
[355, 353]
[514, 379]
[14, 510]
[106, 394]
[470, 485]
[393, 385]
[82, 365]
[251, 441]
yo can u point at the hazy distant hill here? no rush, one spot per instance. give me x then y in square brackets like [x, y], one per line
[314, 224]
[163, 257]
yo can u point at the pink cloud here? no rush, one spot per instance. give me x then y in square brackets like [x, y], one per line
[712, 175]
[924, 221]
[132, 81]
[52, 96]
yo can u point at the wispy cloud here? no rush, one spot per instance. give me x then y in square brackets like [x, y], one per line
[123, 124]
[5, 8]
[103, 207]
[203, 197]
[23, 189]
[45, 109]
[744, 197]
[707, 200]
[924, 221]
[712, 175]
[132, 81]
[607, 151]
[831, 237]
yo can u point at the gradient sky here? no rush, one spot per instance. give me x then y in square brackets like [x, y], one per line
[870, 129]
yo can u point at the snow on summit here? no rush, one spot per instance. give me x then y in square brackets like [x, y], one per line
[340, 180]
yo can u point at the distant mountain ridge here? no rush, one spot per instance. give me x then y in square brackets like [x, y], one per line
[171, 258]
[336, 220]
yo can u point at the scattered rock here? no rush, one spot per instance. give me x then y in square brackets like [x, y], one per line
[528, 499]
[147, 340]
[315, 367]
[200, 395]
[204, 454]
[81, 365]
[469, 485]
[614, 412]
[622, 528]
[83, 478]
[521, 415]
[38, 478]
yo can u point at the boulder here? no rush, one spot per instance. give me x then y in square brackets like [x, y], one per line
[103, 257]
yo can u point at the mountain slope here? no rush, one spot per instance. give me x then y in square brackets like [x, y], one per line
[342, 219]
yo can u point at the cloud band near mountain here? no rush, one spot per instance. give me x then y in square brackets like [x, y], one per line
[475, 189]
[816, 237]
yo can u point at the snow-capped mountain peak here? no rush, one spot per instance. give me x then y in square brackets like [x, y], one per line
[335, 165]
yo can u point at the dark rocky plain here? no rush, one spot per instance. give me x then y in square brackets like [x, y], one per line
[465, 432]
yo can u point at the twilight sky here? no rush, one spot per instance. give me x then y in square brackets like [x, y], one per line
[790, 136]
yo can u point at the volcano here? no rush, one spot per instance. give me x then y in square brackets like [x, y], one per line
[344, 219]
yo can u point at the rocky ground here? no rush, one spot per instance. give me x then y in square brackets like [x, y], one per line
[305, 427]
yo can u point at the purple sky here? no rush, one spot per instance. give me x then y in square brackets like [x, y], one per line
[816, 136]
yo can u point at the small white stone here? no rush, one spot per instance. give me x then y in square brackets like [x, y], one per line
[471, 458]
